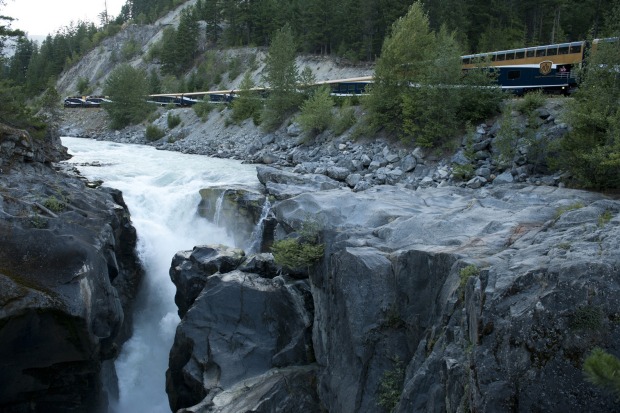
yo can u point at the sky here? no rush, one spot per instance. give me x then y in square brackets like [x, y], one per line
[42, 17]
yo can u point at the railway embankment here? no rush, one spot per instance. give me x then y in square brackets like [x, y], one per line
[506, 149]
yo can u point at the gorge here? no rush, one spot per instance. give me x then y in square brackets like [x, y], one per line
[429, 299]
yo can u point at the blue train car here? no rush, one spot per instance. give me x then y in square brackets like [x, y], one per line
[551, 67]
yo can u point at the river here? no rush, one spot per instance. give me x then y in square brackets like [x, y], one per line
[161, 190]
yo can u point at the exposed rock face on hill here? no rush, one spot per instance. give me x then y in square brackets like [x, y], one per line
[68, 273]
[428, 300]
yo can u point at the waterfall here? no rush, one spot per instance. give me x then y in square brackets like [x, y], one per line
[257, 235]
[217, 215]
[161, 190]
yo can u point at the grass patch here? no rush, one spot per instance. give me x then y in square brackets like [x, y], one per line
[562, 210]
[604, 218]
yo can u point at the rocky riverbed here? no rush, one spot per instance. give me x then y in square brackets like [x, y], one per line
[480, 160]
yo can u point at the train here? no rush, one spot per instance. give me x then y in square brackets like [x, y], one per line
[553, 68]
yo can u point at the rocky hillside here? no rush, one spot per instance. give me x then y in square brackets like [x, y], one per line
[96, 65]
[68, 275]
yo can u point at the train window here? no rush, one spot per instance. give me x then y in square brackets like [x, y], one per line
[530, 53]
[501, 57]
[541, 52]
[552, 51]
[520, 54]
[563, 50]
[493, 57]
[514, 74]
[466, 60]
[510, 56]
[575, 48]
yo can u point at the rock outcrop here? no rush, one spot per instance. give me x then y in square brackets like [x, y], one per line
[430, 300]
[68, 273]
[243, 341]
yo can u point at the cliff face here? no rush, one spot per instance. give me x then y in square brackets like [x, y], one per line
[429, 300]
[67, 275]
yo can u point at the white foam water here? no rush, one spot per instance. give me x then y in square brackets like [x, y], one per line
[160, 189]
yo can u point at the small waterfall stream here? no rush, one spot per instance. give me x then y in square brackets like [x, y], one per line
[161, 191]
[256, 237]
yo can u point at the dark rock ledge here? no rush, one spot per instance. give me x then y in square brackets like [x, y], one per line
[68, 274]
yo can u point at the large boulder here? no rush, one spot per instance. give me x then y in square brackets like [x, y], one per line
[190, 269]
[241, 326]
[283, 184]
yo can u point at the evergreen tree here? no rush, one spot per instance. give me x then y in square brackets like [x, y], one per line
[281, 76]
[404, 60]
[127, 88]
[186, 41]
[418, 91]
[247, 104]
[591, 150]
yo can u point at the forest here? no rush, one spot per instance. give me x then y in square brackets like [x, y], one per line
[396, 36]
[351, 29]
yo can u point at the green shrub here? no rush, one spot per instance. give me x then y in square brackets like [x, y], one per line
[54, 204]
[203, 108]
[530, 102]
[154, 133]
[507, 137]
[465, 274]
[130, 49]
[463, 172]
[173, 120]
[390, 386]
[316, 112]
[301, 252]
[603, 370]
[294, 253]
[588, 317]
[345, 118]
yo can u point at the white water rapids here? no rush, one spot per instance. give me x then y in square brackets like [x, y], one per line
[161, 190]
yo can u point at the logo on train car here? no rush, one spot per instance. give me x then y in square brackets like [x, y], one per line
[545, 67]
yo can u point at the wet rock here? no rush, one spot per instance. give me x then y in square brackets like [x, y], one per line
[236, 331]
[68, 276]
[190, 269]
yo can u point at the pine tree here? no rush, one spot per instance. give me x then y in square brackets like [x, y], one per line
[603, 370]
[591, 150]
[127, 88]
[281, 76]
